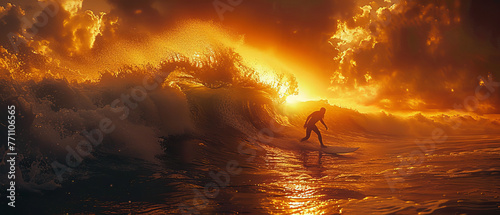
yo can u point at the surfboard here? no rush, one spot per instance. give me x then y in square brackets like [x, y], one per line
[338, 149]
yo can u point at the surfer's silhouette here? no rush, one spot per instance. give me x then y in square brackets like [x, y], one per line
[310, 125]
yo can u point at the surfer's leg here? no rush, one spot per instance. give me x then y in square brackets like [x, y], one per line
[308, 134]
[316, 130]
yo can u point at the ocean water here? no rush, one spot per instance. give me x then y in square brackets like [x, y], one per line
[459, 177]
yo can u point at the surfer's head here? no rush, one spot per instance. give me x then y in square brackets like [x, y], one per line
[322, 110]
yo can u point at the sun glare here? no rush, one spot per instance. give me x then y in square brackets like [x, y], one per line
[294, 99]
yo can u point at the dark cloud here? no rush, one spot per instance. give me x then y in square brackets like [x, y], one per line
[484, 17]
[427, 56]
[10, 22]
[41, 39]
[134, 14]
[17, 55]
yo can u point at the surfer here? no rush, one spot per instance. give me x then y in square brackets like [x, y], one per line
[310, 125]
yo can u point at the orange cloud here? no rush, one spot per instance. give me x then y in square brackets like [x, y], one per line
[413, 55]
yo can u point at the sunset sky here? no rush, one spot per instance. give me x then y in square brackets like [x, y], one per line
[392, 55]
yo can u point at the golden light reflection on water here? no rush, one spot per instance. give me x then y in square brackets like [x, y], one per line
[293, 191]
[293, 196]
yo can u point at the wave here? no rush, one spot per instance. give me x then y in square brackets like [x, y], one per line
[144, 106]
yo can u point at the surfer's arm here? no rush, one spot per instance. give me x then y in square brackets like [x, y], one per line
[321, 120]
